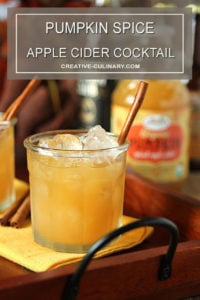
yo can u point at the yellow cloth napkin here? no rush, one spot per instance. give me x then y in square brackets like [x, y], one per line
[18, 245]
[21, 188]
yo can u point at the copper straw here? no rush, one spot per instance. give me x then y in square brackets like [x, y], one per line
[14, 107]
[141, 91]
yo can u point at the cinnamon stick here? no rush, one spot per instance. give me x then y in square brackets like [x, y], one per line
[14, 107]
[21, 214]
[4, 220]
[133, 111]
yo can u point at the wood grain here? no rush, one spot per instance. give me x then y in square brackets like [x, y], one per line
[132, 274]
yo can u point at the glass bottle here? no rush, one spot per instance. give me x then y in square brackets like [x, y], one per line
[159, 136]
[194, 87]
[95, 101]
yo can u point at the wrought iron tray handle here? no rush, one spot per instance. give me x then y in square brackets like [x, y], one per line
[164, 272]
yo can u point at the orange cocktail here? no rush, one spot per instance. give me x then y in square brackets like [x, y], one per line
[76, 195]
[7, 165]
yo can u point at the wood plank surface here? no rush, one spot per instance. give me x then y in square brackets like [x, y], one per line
[132, 274]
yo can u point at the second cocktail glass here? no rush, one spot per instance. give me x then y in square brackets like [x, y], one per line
[7, 170]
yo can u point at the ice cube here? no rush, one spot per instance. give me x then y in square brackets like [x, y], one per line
[97, 138]
[68, 142]
[44, 142]
[62, 141]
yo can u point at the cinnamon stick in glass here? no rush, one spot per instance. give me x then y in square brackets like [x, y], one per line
[14, 107]
[141, 91]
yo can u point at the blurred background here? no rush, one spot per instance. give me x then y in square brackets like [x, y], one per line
[85, 103]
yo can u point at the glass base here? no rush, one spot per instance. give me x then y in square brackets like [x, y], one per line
[7, 202]
[62, 247]
[68, 248]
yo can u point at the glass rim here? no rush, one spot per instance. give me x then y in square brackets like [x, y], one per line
[13, 121]
[30, 143]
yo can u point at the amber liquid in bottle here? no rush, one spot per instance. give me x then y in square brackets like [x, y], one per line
[159, 136]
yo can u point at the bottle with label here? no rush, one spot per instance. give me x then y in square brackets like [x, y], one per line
[95, 101]
[194, 88]
[159, 136]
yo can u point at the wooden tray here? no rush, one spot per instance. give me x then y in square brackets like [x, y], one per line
[131, 274]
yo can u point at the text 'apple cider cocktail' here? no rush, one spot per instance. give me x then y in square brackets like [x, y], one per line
[77, 187]
[7, 194]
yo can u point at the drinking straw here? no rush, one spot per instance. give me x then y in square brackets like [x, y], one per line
[140, 93]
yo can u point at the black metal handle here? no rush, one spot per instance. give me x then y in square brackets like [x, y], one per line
[164, 272]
